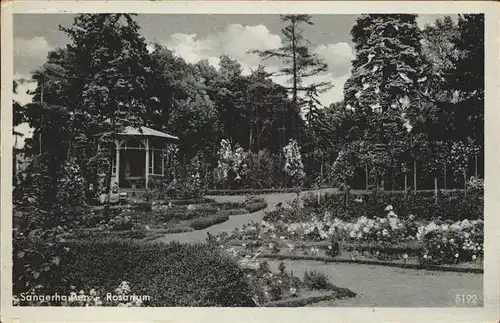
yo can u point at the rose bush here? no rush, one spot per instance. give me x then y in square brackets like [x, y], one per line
[452, 243]
[460, 241]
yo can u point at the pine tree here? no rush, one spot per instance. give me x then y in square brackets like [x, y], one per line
[299, 63]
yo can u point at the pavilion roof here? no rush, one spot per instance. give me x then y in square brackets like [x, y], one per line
[145, 131]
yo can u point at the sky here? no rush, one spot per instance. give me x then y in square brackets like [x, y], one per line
[198, 37]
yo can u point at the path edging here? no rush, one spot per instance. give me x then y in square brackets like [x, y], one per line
[374, 262]
[301, 301]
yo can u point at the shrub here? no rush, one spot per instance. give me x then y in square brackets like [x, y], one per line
[317, 280]
[171, 274]
[70, 185]
[178, 230]
[202, 223]
[188, 188]
[38, 249]
[254, 207]
[458, 242]
[121, 222]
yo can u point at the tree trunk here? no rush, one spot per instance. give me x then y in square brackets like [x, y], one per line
[346, 194]
[295, 80]
[415, 175]
[321, 173]
[475, 165]
[392, 180]
[444, 177]
[68, 153]
[436, 189]
[406, 182]
[366, 176]
[294, 67]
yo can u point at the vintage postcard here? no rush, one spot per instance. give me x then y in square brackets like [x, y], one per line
[250, 161]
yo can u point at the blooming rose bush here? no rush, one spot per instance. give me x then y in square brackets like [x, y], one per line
[293, 162]
[444, 243]
[452, 243]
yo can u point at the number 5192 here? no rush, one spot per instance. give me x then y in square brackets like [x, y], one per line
[466, 299]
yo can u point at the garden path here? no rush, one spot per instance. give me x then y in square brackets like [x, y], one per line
[376, 286]
[382, 286]
[235, 221]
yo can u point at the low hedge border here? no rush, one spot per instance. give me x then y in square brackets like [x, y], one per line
[301, 301]
[255, 191]
[374, 262]
[205, 222]
[408, 247]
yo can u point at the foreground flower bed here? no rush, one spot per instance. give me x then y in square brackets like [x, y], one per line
[433, 242]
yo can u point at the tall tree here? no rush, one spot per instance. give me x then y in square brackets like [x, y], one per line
[113, 59]
[384, 89]
[468, 77]
[298, 63]
[228, 91]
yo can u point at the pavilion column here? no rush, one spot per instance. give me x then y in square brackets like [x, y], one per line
[147, 163]
[163, 162]
[117, 162]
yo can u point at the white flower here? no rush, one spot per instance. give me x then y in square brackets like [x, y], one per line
[391, 214]
[388, 208]
[474, 257]
[405, 256]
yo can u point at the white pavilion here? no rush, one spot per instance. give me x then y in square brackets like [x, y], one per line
[136, 148]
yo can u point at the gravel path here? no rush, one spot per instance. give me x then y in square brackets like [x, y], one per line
[235, 221]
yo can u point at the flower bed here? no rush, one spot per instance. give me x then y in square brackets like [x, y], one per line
[435, 242]
[163, 217]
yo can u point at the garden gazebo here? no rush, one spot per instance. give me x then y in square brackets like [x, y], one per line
[137, 148]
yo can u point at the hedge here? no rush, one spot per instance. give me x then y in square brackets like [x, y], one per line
[252, 191]
[171, 274]
[205, 222]
[451, 205]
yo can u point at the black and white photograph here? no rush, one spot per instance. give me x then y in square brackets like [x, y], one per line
[247, 160]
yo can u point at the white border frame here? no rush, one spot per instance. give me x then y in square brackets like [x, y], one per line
[491, 283]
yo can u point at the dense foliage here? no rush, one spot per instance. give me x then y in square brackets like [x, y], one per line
[172, 275]
[409, 112]
[450, 205]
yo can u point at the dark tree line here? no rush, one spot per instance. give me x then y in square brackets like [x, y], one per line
[413, 95]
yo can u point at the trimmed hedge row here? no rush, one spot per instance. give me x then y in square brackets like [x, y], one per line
[205, 222]
[450, 205]
[255, 191]
[171, 274]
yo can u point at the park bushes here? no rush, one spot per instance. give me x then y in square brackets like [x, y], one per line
[171, 274]
[450, 205]
[205, 222]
